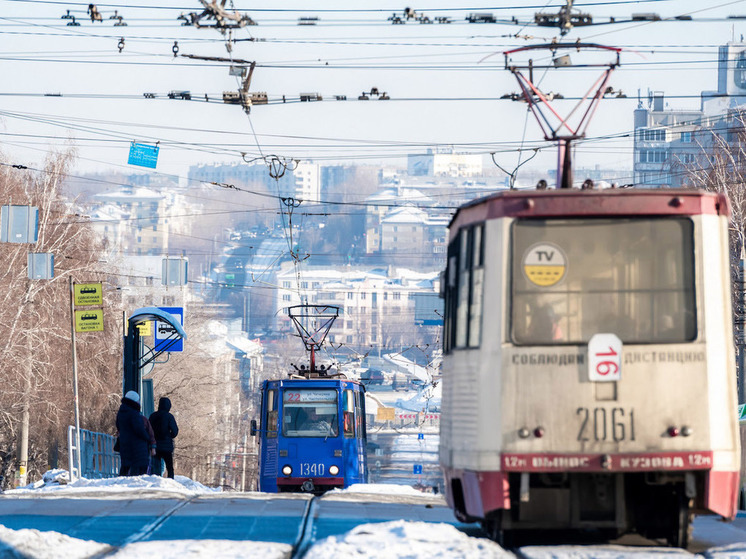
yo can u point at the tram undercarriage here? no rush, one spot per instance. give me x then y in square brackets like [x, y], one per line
[561, 507]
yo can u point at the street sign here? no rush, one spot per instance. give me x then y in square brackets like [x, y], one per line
[88, 294]
[40, 265]
[89, 320]
[143, 155]
[417, 469]
[163, 330]
[420, 436]
[19, 224]
[175, 271]
[385, 414]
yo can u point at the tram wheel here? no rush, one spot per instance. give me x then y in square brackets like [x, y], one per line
[505, 538]
[681, 525]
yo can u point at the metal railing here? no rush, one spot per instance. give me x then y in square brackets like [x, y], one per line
[97, 456]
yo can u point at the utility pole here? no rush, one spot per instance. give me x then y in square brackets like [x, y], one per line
[741, 326]
[78, 458]
[22, 471]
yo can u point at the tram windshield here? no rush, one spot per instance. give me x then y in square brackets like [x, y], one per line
[309, 412]
[576, 278]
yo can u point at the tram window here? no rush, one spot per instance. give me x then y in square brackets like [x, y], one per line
[309, 413]
[464, 292]
[359, 416]
[576, 278]
[271, 418]
[348, 414]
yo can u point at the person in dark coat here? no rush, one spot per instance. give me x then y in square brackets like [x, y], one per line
[134, 440]
[165, 429]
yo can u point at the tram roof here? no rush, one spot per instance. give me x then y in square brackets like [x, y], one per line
[329, 382]
[616, 202]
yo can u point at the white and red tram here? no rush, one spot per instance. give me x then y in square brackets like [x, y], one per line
[589, 375]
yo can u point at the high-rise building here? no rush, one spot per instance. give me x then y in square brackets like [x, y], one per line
[671, 144]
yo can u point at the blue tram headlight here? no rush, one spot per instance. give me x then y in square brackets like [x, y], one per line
[334, 470]
[287, 470]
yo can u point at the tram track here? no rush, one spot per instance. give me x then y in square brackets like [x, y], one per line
[146, 530]
[305, 536]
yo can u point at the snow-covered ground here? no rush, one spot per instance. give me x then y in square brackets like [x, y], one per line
[57, 480]
[390, 540]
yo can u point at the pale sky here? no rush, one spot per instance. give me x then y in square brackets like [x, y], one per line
[444, 80]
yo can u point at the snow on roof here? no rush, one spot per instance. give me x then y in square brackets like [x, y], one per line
[129, 194]
[397, 196]
[428, 399]
[405, 214]
[407, 366]
[107, 212]
[244, 345]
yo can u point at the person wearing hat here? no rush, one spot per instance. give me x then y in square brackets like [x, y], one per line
[134, 439]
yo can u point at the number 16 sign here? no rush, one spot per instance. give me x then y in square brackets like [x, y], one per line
[604, 358]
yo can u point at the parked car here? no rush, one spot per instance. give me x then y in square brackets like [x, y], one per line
[371, 376]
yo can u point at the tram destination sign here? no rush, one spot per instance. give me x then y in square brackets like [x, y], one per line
[292, 396]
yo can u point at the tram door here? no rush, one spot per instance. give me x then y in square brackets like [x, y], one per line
[362, 436]
[268, 473]
[353, 427]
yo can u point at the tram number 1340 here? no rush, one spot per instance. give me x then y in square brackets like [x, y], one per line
[307, 469]
[601, 424]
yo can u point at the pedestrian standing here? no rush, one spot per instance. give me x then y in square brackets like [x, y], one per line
[165, 429]
[134, 439]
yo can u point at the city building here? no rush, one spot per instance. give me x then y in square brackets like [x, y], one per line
[132, 217]
[445, 163]
[377, 306]
[671, 144]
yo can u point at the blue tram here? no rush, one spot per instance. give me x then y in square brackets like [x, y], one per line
[312, 435]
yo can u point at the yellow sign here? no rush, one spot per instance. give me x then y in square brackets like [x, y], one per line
[544, 264]
[385, 414]
[91, 320]
[88, 294]
[146, 328]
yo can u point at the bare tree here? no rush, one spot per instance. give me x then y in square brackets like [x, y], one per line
[722, 168]
[35, 350]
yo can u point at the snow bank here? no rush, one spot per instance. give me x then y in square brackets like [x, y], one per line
[733, 551]
[380, 489]
[203, 549]
[411, 540]
[57, 481]
[24, 544]
[602, 552]
[27, 544]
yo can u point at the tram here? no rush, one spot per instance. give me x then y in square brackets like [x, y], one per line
[312, 432]
[589, 373]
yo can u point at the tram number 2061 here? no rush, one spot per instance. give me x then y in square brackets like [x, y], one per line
[602, 424]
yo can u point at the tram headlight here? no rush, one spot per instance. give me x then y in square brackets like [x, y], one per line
[287, 470]
[686, 431]
[334, 470]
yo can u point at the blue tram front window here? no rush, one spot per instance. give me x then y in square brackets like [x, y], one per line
[309, 413]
